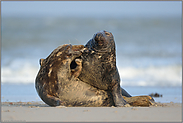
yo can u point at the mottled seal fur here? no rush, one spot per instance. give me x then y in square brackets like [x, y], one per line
[99, 66]
[57, 81]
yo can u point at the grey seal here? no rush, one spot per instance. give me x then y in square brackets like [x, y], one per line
[99, 66]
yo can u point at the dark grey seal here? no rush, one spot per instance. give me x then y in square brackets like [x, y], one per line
[99, 66]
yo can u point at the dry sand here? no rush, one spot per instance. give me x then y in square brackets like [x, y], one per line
[38, 111]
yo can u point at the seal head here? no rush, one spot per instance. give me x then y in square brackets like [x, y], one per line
[101, 42]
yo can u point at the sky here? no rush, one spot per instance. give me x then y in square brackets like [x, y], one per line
[91, 8]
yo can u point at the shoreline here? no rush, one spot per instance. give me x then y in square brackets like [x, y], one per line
[40, 112]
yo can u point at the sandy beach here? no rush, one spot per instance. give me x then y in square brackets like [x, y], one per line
[40, 112]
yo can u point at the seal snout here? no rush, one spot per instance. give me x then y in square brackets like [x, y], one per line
[100, 36]
[102, 39]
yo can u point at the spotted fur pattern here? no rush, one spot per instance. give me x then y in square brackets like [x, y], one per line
[57, 81]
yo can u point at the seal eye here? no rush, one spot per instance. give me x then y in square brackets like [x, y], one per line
[69, 55]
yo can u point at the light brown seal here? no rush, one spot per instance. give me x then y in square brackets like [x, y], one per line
[57, 83]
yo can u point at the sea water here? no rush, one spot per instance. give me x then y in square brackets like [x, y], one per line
[149, 57]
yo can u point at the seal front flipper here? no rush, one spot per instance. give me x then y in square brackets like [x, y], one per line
[51, 100]
[119, 101]
[125, 93]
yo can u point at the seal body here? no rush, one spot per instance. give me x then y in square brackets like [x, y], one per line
[99, 66]
[57, 81]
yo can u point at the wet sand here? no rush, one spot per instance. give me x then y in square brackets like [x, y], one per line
[40, 112]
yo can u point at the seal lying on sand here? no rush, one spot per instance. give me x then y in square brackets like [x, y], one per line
[99, 66]
[57, 83]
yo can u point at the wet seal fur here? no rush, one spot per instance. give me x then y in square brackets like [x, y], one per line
[99, 66]
[57, 81]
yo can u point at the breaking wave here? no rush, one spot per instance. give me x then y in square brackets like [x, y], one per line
[21, 71]
[151, 76]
